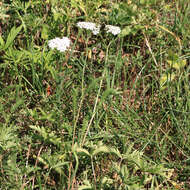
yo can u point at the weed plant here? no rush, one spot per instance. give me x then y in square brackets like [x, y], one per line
[110, 112]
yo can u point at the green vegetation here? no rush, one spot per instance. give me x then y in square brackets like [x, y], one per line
[111, 112]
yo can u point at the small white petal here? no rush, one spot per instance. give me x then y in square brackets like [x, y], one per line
[113, 29]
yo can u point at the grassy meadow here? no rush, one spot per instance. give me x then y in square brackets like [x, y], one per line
[109, 112]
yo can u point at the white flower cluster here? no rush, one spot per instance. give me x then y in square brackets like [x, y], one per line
[89, 26]
[96, 28]
[60, 44]
[113, 29]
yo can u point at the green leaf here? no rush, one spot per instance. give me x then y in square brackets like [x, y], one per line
[106, 180]
[2, 43]
[142, 2]
[86, 185]
[177, 64]
[172, 56]
[18, 103]
[48, 136]
[103, 149]
[56, 16]
[165, 78]
[12, 35]
[78, 149]
[116, 152]
[124, 171]
[44, 33]
[8, 138]
[126, 31]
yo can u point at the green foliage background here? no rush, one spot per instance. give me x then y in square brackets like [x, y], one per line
[110, 113]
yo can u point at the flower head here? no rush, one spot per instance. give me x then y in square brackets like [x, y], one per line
[89, 26]
[113, 29]
[59, 44]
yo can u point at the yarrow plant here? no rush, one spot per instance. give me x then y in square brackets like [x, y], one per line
[61, 44]
[113, 29]
[89, 26]
[95, 28]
